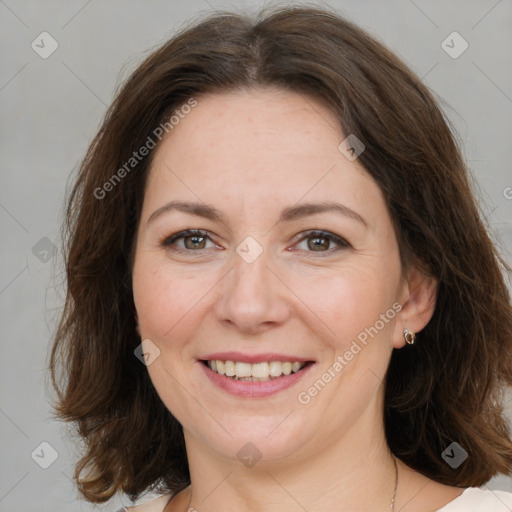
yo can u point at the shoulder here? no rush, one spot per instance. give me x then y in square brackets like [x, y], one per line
[156, 505]
[474, 499]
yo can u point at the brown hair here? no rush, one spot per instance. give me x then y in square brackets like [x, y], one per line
[445, 388]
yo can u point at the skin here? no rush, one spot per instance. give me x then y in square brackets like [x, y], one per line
[251, 154]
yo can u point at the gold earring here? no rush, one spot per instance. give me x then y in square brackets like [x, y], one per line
[410, 336]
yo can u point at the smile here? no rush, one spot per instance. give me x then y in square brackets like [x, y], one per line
[255, 372]
[257, 376]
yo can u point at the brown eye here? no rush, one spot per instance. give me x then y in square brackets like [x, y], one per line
[193, 240]
[318, 243]
[321, 241]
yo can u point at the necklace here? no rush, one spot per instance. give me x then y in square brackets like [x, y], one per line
[392, 506]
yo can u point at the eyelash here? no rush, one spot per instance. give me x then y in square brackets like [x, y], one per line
[169, 241]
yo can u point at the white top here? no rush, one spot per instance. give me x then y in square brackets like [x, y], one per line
[473, 499]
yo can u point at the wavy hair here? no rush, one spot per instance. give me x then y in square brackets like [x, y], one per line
[446, 388]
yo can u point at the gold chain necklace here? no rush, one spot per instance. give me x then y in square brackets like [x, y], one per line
[392, 506]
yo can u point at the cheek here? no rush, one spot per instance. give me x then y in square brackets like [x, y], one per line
[165, 301]
[348, 300]
[167, 306]
[357, 307]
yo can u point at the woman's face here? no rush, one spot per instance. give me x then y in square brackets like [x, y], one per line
[274, 277]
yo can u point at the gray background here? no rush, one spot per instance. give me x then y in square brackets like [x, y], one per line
[51, 109]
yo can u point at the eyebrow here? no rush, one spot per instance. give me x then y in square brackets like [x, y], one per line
[288, 214]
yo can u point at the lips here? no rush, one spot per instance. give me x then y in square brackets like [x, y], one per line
[256, 375]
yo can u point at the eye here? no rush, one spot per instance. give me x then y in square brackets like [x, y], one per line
[193, 240]
[320, 241]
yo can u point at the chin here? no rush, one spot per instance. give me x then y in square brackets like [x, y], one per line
[256, 439]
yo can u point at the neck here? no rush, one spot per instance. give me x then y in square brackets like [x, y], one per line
[355, 472]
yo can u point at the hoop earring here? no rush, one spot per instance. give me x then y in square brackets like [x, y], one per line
[410, 336]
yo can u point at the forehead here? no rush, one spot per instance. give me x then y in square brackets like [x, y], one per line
[255, 145]
[259, 122]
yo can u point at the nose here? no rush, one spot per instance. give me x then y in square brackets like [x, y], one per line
[253, 296]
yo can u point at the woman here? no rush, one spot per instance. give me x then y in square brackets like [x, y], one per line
[280, 292]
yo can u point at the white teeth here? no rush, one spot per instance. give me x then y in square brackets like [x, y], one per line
[221, 368]
[275, 368]
[257, 372]
[260, 370]
[229, 366]
[243, 369]
[287, 368]
[295, 367]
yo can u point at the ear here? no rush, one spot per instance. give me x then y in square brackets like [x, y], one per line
[418, 301]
